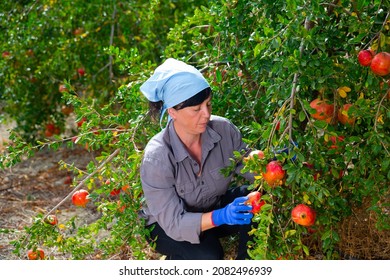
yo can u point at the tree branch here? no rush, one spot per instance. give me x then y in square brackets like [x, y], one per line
[107, 160]
[377, 116]
[295, 82]
[112, 42]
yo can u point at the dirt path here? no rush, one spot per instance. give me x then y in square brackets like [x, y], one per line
[34, 186]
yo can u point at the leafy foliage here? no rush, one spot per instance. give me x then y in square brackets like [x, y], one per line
[49, 43]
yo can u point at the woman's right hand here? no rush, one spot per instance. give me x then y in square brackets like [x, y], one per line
[235, 213]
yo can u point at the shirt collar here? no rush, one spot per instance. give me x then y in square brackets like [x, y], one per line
[209, 138]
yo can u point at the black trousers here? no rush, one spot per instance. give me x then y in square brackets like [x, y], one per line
[210, 247]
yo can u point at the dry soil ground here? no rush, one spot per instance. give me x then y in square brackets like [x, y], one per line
[33, 186]
[36, 185]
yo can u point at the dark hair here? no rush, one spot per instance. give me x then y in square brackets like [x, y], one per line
[155, 107]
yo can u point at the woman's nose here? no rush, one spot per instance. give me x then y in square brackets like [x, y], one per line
[206, 111]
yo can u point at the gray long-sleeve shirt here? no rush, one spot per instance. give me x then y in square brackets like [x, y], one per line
[176, 194]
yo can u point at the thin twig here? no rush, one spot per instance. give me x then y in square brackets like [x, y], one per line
[29, 9]
[111, 43]
[333, 5]
[102, 69]
[134, 133]
[383, 26]
[377, 35]
[280, 111]
[107, 160]
[294, 87]
[377, 116]
[306, 113]
[292, 101]
[198, 27]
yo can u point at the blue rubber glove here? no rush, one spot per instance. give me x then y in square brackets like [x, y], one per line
[235, 213]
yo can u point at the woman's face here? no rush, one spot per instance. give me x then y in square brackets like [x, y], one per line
[192, 119]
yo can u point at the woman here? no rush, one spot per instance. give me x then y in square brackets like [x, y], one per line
[189, 203]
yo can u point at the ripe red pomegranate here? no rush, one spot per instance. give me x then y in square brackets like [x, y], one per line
[68, 180]
[81, 71]
[343, 116]
[80, 122]
[5, 54]
[256, 206]
[277, 126]
[62, 88]
[274, 173]
[115, 192]
[316, 174]
[335, 140]
[126, 189]
[365, 57]
[121, 206]
[380, 64]
[303, 215]
[253, 154]
[37, 254]
[254, 199]
[80, 198]
[52, 220]
[324, 110]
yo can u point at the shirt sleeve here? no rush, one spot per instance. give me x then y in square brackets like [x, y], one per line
[165, 205]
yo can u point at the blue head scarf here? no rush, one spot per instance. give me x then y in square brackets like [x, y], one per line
[172, 83]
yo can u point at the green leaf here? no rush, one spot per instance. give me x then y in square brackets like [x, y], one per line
[218, 76]
[289, 233]
[302, 116]
[326, 235]
[257, 50]
[305, 249]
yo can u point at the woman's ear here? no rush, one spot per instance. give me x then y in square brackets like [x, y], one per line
[172, 113]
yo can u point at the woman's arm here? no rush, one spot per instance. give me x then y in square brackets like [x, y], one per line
[164, 204]
[206, 222]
